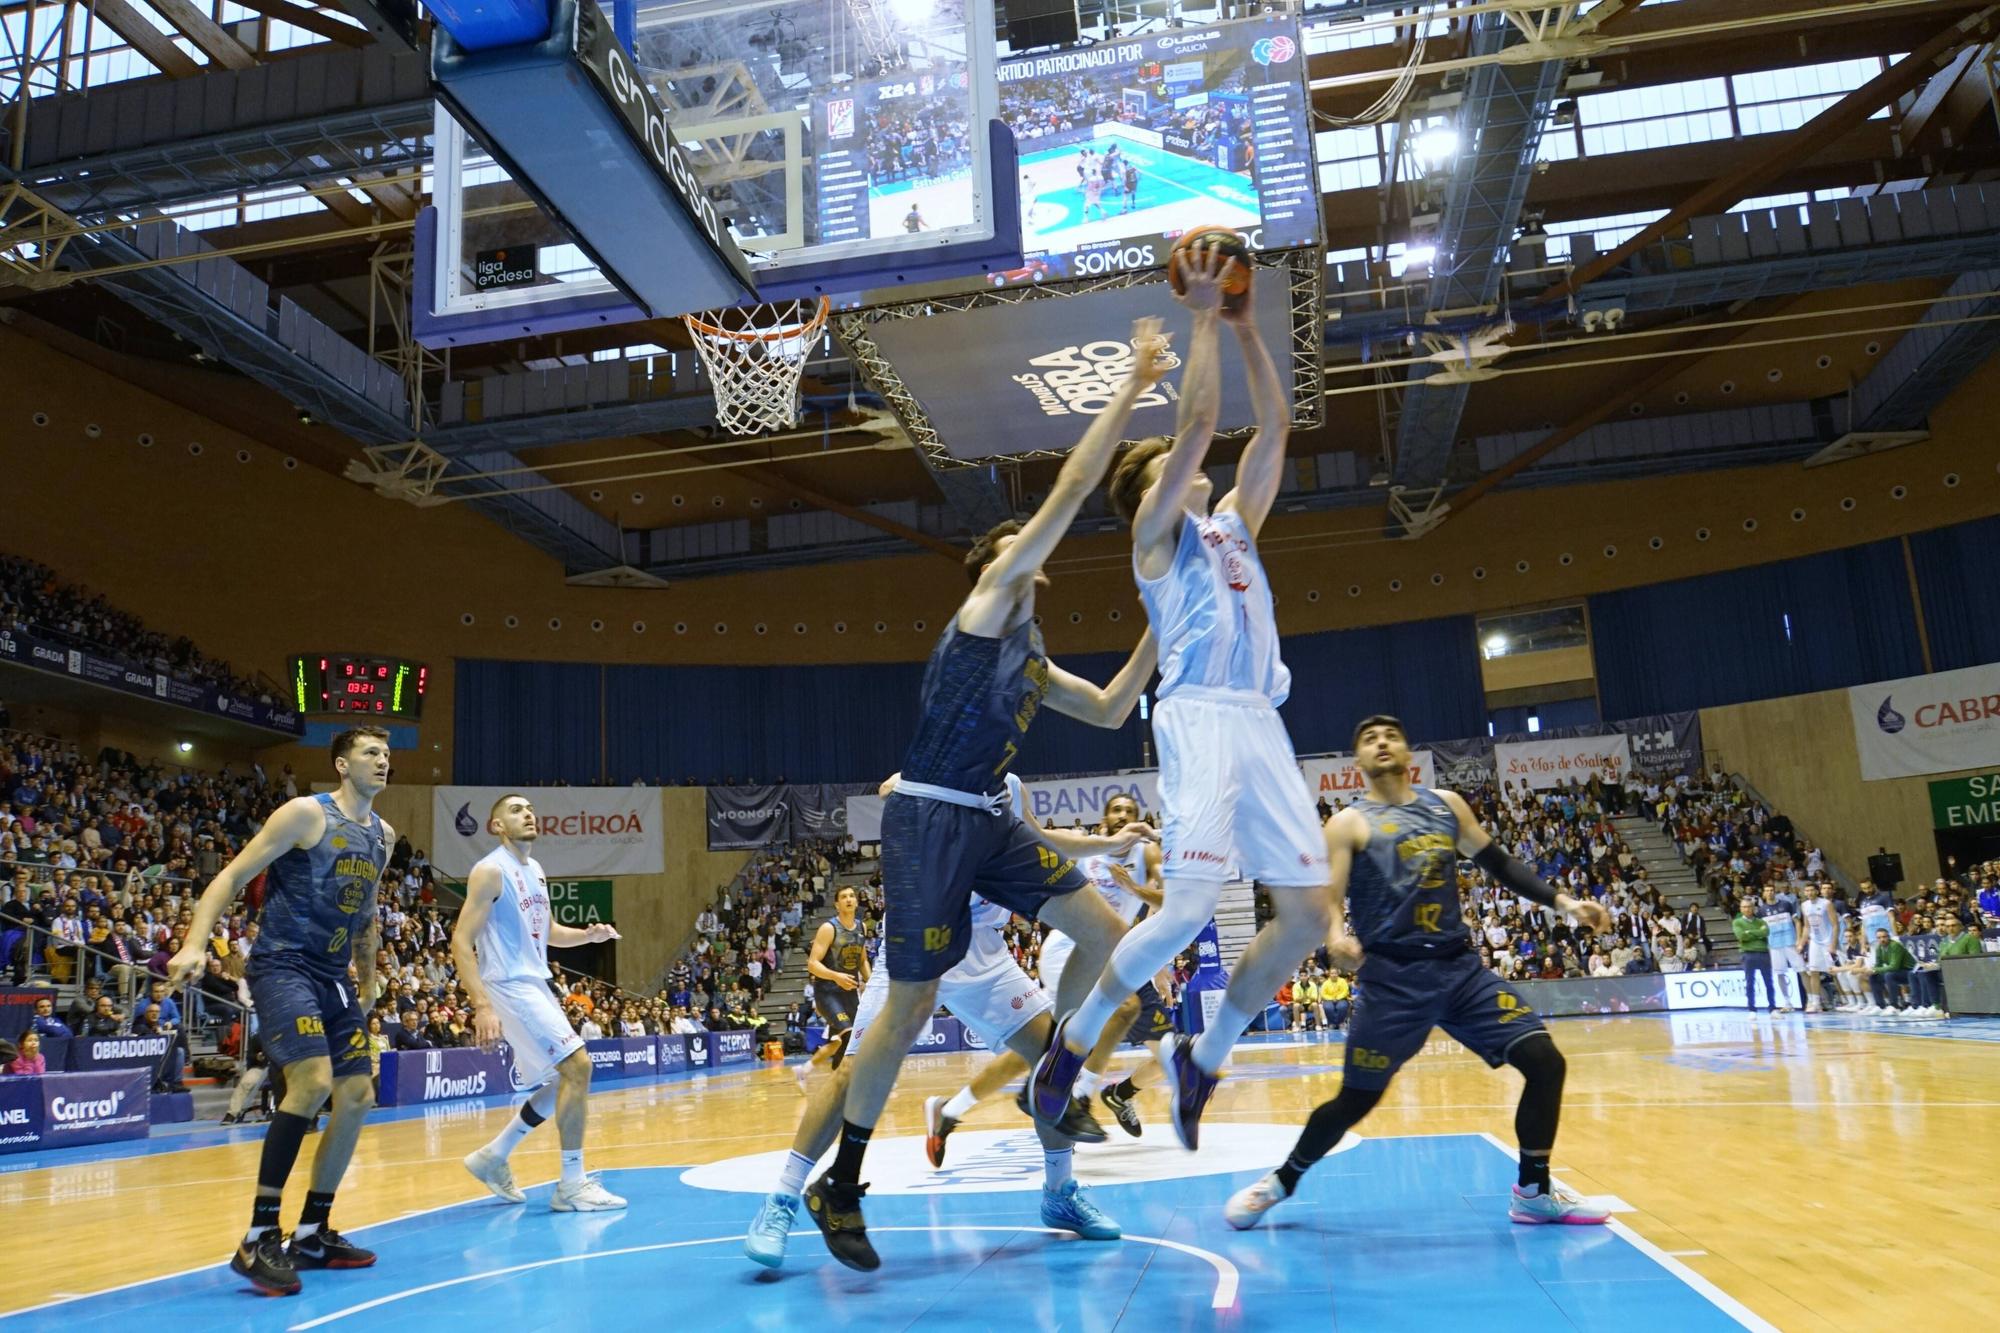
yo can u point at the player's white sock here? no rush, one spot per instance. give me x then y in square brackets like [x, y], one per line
[792, 1180]
[510, 1136]
[1211, 1048]
[1056, 1165]
[959, 1107]
[1088, 1082]
[572, 1166]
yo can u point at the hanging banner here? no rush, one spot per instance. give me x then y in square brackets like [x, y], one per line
[740, 818]
[580, 902]
[1336, 778]
[583, 830]
[1972, 802]
[1664, 745]
[1462, 765]
[1555, 762]
[24, 649]
[1062, 802]
[1939, 723]
[819, 810]
[864, 818]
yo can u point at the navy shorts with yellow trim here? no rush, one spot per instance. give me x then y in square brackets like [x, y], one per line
[1155, 1020]
[301, 1014]
[935, 855]
[1400, 1002]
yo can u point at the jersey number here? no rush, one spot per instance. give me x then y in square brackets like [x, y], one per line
[1428, 915]
[338, 942]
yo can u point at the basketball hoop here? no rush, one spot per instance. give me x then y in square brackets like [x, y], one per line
[754, 355]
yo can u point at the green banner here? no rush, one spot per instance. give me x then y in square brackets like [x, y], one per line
[572, 902]
[579, 902]
[1966, 802]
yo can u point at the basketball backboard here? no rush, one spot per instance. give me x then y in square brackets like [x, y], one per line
[845, 142]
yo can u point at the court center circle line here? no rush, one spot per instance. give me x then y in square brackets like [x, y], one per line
[1227, 1279]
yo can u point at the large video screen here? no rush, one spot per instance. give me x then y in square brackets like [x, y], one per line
[1127, 144]
[896, 156]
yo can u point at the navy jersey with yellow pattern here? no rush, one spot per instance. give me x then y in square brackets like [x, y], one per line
[980, 695]
[318, 899]
[1402, 892]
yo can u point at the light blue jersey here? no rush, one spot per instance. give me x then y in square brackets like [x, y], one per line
[1875, 915]
[514, 945]
[1212, 615]
[1781, 915]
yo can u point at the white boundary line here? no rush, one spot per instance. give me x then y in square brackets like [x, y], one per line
[1715, 1295]
[1226, 1281]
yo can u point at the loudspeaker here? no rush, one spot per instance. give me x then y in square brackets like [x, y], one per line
[1886, 869]
[1032, 23]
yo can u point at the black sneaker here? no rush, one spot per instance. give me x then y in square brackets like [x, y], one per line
[1077, 1124]
[231, 1118]
[836, 1211]
[1053, 1078]
[327, 1248]
[266, 1265]
[1121, 1107]
[1190, 1087]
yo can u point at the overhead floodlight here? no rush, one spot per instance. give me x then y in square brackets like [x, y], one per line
[1496, 644]
[1435, 147]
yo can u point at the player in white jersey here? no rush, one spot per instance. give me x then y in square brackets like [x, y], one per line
[1129, 882]
[1000, 1003]
[1822, 922]
[1230, 785]
[501, 946]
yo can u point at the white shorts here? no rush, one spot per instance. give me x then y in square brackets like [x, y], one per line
[1819, 956]
[534, 1026]
[1786, 960]
[1056, 950]
[1235, 802]
[987, 991]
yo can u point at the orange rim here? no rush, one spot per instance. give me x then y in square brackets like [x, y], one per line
[805, 330]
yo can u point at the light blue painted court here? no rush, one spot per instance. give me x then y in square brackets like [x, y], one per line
[1407, 1233]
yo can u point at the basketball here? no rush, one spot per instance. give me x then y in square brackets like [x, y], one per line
[1235, 276]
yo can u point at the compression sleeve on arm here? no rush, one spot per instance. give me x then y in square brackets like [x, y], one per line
[1514, 874]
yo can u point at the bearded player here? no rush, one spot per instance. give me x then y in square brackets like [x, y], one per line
[1393, 856]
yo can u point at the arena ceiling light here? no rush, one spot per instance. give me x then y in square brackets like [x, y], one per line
[1496, 644]
[1436, 147]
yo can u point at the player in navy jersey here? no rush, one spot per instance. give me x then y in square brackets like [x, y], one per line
[1393, 856]
[1234, 800]
[948, 828]
[326, 855]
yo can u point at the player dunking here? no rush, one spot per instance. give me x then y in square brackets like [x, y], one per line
[326, 854]
[988, 992]
[947, 829]
[1393, 855]
[501, 947]
[1230, 786]
[839, 967]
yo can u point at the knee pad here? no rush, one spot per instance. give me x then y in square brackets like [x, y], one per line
[1538, 1059]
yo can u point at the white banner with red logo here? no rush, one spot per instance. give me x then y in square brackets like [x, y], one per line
[1335, 779]
[1552, 763]
[583, 831]
[1939, 723]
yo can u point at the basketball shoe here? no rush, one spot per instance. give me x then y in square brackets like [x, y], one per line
[587, 1197]
[490, 1169]
[327, 1248]
[1246, 1207]
[266, 1265]
[1069, 1207]
[836, 1210]
[1556, 1205]
[772, 1231]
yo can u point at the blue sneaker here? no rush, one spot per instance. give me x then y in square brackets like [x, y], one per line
[1054, 1076]
[1191, 1087]
[772, 1230]
[1071, 1209]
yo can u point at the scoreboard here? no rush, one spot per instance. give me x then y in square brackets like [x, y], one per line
[359, 683]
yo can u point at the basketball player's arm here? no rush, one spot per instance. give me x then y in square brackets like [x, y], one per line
[1081, 472]
[569, 937]
[1146, 893]
[1110, 705]
[482, 890]
[297, 823]
[1159, 516]
[1343, 836]
[1262, 467]
[1478, 846]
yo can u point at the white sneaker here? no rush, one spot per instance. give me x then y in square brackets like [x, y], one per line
[1246, 1207]
[1812, 1006]
[587, 1197]
[490, 1169]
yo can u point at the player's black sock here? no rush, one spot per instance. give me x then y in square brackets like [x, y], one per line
[318, 1208]
[1126, 1090]
[1324, 1130]
[1534, 1171]
[846, 1168]
[281, 1153]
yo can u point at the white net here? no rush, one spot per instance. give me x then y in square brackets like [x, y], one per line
[753, 356]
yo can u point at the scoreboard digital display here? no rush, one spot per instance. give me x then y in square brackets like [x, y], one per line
[359, 683]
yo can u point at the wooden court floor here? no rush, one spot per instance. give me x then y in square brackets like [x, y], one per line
[1833, 1176]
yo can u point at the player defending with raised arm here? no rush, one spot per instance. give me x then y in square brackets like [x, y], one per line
[1393, 857]
[326, 854]
[501, 947]
[1230, 786]
[948, 828]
